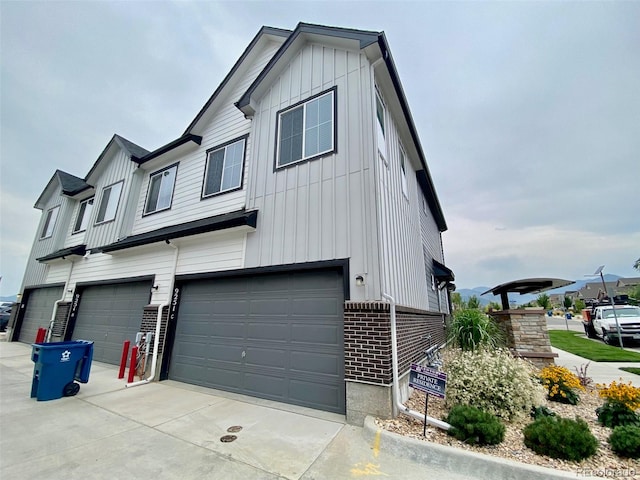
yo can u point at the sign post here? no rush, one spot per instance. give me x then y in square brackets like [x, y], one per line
[429, 381]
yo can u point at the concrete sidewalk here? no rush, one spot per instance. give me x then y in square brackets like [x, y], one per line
[174, 430]
[599, 372]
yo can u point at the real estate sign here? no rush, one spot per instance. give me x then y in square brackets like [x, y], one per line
[428, 380]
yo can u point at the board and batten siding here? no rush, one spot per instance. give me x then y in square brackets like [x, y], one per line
[36, 272]
[400, 227]
[116, 167]
[432, 245]
[321, 209]
[226, 123]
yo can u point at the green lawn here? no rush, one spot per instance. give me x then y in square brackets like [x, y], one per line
[631, 370]
[574, 342]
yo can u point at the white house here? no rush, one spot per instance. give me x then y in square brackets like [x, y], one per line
[264, 243]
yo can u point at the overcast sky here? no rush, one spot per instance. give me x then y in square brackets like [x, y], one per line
[529, 113]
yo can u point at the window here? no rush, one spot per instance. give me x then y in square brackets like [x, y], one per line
[380, 124]
[224, 168]
[403, 172]
[306, 130]
[160, 191]
[50, 222]
[109, 203]
[86, 207]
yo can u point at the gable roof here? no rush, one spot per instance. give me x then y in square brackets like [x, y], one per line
[376, 47]
[134, 151]
[264, 31]
[70, 185]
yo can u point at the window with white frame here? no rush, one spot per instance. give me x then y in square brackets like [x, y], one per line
[403, 172]
[306, 130]
[109, 202]
[84, 214]
[380, 124]
[50, 222]
[224, 168]
[160, 192]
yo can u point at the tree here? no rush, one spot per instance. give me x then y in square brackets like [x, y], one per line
[568, 302]
[579, 305]
[457, 301]
[492, 307]
[473, 302]
[543, 301]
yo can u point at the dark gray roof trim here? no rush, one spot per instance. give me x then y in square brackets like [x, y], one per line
[136, 151]
[168, 147]
[442, 273]
[71, 184]
[263, 31]
[426, 185]
[365, 38]
[78, 250]
[210, 224]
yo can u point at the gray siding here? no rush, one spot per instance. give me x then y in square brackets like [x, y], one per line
[318, 210]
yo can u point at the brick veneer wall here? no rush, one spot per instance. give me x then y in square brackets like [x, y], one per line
[61, 319]
[149, 319]
[367, 339]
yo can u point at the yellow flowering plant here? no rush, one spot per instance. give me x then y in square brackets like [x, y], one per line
[619, 392]
[561, 385]
[621, 402]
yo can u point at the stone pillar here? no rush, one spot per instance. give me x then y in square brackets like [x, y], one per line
[527, 335]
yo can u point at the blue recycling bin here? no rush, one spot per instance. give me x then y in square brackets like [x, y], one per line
[58, 365]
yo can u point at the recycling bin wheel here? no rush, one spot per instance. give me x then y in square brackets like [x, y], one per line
[71, 389]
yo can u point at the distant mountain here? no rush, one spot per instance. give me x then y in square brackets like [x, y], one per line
[518, 299]
[11, 298]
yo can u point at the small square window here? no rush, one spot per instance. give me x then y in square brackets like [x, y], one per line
[109, 202]
[403, 173]
[84, 214]
[50, 222]
[306, 130]
[225, 165]
[160, 192]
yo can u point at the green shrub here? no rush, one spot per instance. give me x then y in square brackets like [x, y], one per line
[493, 381]
[625, 441]
[471, 329]
[473, 426]
[615, 414]
[541, 411]
[560, 437]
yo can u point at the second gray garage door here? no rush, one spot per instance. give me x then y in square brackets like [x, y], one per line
[276, 336]
[109, 315]
[38, 311]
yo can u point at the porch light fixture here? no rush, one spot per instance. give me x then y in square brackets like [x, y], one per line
[359, 280]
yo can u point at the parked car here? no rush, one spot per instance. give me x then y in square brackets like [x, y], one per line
[604, 322]
[5, 314]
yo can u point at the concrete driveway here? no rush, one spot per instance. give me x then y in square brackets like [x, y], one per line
[170, 430]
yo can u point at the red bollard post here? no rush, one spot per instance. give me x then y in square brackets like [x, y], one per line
[123, 359]
[132, 365]
[42, 333]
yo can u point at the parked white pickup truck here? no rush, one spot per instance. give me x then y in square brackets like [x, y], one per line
[604, 323]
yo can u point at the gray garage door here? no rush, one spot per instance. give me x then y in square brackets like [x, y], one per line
[276, 336]
[109, 315]
[38, 312]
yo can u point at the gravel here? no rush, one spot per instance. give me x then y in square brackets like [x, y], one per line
[604, 463]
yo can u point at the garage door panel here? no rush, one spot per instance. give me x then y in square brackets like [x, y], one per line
[288, 325]
[38, 312]
[110, 314]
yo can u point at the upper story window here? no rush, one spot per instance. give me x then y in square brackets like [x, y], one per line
[84, 214]
[160, 192]
[224, 168]
[403, 172]
[380, 124]
[50, 222]
[307, 129]
[109, 202]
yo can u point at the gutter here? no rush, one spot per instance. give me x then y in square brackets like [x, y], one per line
[156, 336]
[395, 386]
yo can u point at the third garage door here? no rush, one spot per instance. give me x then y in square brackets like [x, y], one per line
[38, 312]
[276, 336]
[109, 315]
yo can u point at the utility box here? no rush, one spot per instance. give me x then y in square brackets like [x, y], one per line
[58, 365]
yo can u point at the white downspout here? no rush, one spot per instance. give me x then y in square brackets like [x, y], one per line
[156, 336]
[395, 390]
[57, 302]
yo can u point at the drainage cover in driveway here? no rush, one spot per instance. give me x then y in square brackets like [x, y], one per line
[234, 429]
[228, 438]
